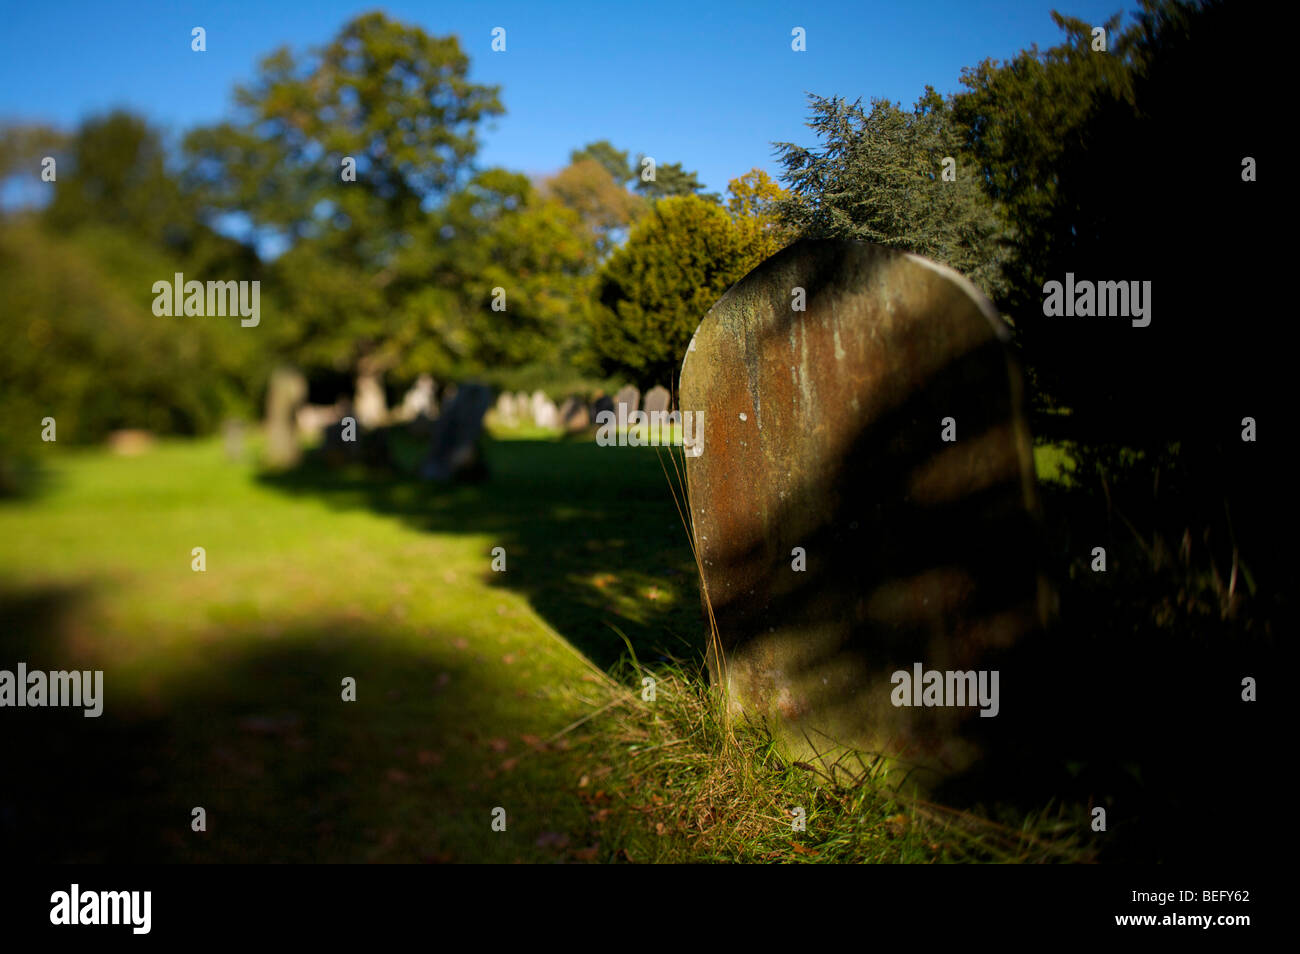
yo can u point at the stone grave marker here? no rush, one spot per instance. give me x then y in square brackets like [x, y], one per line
[850, 550]
[453, 447]
[285, 394]
[657, 399]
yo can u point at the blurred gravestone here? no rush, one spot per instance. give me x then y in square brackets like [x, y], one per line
[454, 447]
[232, 438]
[630, 398]
[657, 399]
[371, 405]
[602, 403]
[284, 395]
[505, 409]
[523, 408]
[420, 400]
[574, 415]
[545, 414]
[841, 538]
[314, 418]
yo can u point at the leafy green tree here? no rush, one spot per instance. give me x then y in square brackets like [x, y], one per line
[677, 262]
[671, 179]
[399, 104]
[602, 203]
[84, 346]
[614, 161]
[878, 176]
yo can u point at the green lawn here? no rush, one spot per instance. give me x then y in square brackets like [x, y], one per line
[223, 688]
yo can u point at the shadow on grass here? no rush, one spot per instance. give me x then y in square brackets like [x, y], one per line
[591, 534]
[257, 734]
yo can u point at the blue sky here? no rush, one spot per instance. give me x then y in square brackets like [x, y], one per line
[709, 85]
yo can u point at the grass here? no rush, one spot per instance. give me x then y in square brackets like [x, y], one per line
[475, 689]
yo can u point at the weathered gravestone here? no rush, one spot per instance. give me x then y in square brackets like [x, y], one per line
[505, 409]
[370, 402]
[630, 398]
[420, 400]
[545, 413]
[657, 399]
[232, 438]
[454, 447]
[574, 415]
[603, 402]
[842, 540]
[284, 395]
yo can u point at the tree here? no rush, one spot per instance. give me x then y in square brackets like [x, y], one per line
[398, 104]
[614, 161]
[878, 176]
[677, 262]
[602, 203]
[670, 180]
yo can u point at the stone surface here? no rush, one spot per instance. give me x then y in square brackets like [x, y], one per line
[506, 412]
[370, 403]
[825, 433]
[419, 401]
[657, 399]
[314, 418]
[454, 446]
[232, 438]
[285, 394]
[602, 403]
[545, 413]
[574, 414]
[629, 396]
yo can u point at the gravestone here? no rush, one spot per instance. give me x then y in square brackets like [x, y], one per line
[314, 418]
[284, 395]
[545, 413]
[454, 447]
[505, 409]
[657, 399]
[130, 442]
[371, 405]
[574, 415]
[842, 540]
[602, 403]
[419, 400]
[524, 407]
[232, 438]
[628, 396]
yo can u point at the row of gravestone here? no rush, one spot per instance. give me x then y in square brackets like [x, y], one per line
[576, 414]
[453, 432]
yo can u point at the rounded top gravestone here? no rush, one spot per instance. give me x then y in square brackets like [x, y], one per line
[865, 509]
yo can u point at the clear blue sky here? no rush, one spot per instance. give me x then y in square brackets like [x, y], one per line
[706, 84]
